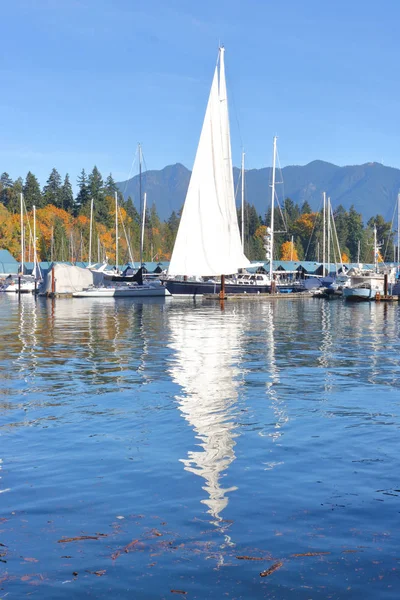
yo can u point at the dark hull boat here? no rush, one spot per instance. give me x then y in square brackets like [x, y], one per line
[180, 287]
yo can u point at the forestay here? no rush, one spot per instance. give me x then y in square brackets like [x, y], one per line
[208, 240]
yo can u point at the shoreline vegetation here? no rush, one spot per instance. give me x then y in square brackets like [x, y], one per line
[63, 219]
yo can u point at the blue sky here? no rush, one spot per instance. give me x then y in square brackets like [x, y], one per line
[82, 81]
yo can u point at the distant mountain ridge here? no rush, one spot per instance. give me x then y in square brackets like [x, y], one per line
[371, 187]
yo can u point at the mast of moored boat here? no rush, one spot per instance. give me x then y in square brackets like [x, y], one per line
[323, 234]
[140, 202]
[142, 229]
[22, 234]
[271, 267]
[116, 231]
[375, 251]
[328, 225]
[90, 232]
[243, 201]
[398, 230]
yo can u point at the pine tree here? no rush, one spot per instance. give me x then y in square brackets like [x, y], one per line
[110, 187]
[96, 191]
[131, 211]
[306, 208]
[16, 190]
[66, 195]
[355, 235]
[52, 189]
[6, 184]
[83, 198]
[59, 241]
[32, 193]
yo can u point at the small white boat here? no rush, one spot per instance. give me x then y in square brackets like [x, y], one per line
[154, 289]
[11, 284]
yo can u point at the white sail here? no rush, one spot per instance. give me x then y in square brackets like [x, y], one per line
[208, 240]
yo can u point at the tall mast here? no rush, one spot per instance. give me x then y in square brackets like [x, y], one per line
[398, 230]
[358, 251]
[243, 201]
[90, 232]
[375, 251]
[142, 231]
[116, 230]
[140, 201]
[323, 235]
[34, 237]
[328, 224]
[271, 269]
[22, 235]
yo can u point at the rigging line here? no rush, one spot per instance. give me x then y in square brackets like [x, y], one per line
[233, 103]
[312, 233]
[391, 231]
[129, 249]
[130, 171]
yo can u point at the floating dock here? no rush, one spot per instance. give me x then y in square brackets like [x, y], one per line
[291, 296]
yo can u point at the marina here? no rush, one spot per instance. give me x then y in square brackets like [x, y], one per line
[199, 301]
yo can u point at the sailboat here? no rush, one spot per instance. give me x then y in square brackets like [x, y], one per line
[208, 245]
[123, 285]
[23, 283]
[369, 284]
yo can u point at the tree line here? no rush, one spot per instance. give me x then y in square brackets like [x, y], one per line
[62, 222]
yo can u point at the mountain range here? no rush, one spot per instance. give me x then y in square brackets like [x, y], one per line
[372, 188]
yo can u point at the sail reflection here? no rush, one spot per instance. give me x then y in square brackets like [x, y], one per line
[205, 366]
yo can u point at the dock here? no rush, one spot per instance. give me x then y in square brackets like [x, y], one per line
[260, 296]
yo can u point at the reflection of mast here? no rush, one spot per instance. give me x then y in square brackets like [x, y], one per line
[277, 405]
[326, 345]
[27, 359]
[205, 367]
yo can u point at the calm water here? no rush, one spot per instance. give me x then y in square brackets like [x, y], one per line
[174, 438]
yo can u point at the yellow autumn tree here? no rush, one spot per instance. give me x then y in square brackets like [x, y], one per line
[345, 258]
[261, 232]
[288, 251]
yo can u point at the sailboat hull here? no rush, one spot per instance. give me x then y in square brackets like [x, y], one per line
[144, 291]
[200, 288]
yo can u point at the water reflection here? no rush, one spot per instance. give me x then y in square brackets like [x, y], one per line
[27, 360]
[205, 365]
[273, 379]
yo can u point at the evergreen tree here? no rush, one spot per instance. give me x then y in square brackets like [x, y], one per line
[384, 235]
[341, 218]
[6, 184]
[291, 212]
[131, 211]
[355, 235]
[154, 218]
[32, 193]
[14, 201]
[60, 247]
[96, 191]
[66, 195]
[305, 208]
[110, 187]
[52, 189]
[83, 197]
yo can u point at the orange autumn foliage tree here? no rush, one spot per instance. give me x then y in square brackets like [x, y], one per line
[288, 251]
[345, 258]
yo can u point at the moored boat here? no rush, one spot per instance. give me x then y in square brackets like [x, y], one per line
[154, 289]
